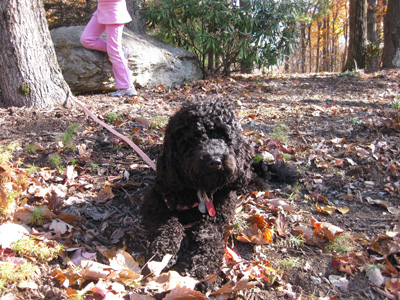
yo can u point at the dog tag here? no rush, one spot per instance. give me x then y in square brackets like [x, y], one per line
[205, 202]
[202, 201]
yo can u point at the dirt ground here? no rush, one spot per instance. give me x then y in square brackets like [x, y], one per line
[342, 132]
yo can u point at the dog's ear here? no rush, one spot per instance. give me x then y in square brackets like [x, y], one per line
[244, 156]
[169, 176]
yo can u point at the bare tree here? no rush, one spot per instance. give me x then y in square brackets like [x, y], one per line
[358, 35]
[30, 75]
[391, 47]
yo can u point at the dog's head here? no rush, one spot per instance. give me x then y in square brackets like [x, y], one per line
[203, 148]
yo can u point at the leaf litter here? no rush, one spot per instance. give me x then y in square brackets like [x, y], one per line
[341, 132]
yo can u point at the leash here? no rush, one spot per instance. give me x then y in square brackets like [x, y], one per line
[121, 136]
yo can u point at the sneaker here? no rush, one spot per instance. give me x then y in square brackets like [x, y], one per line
[124, 92]
[127, 52]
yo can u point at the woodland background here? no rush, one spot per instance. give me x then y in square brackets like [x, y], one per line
[319, 43]
[70, 190]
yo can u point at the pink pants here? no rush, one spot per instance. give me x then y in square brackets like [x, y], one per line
[113, 46]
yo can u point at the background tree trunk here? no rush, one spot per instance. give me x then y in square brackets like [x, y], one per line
[372, 48]
[137, 24]
[245, 68]
[391, 47]
[30, 75]
[317, 67]
[309, 47]
[303, 47]
[325, 30]
[358, 35]
[346, 44]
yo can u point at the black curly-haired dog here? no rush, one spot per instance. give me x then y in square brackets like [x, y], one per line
[205, 159]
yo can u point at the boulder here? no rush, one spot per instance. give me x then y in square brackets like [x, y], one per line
[152, 63]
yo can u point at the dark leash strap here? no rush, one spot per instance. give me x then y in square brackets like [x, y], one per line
[113, 131]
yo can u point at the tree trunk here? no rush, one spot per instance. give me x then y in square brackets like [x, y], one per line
[245, 68]
[327, 46]
[358, 35]
[391, 47]
[303, 47]
[334, 46]
[287, 65]
[137, 24]
[30, 75]
[324, 44]
[372, 47]
[309, 47]
[317, 67]
[346, 38]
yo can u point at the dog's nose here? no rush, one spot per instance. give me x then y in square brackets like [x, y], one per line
[215, 162]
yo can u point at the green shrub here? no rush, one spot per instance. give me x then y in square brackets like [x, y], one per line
[223, 35]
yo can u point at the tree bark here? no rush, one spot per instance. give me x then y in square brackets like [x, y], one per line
[303, 47]
[309, 47]
[317, 67]
[324, 57]
[246, 69]
[391, 47]
[30, 75]
[372, 47]
[358, 35]
[346, 44]
[137, 24]
[334, 44]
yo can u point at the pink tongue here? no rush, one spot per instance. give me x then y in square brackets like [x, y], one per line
[210, 207]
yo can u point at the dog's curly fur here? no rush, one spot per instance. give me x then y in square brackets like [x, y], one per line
[203, 150]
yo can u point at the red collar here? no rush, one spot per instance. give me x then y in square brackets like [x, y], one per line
[205, 202]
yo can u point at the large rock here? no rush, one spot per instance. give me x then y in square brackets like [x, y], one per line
[152, 62]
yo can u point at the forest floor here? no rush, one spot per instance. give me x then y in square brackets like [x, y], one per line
[333, 235]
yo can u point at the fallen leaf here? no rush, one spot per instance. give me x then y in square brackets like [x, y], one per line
[275, 203]
[231, 257]
[383, 203]
[325, 229]
[282, 224]
[70, 174]
[3, 198]
[308, 235]
[124, 261]
[339, 282]
[343, 210]
[135, 296]
[156, 267]
[254, 235]
[229, 287]
[59, 227]
[94, 270]
[374, 275]
[171, 280]
[10, 233]
[25, 214]
[104, 195]
[184, 293]
[327, 209]
[393, 285]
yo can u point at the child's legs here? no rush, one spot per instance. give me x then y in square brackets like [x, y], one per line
[116, 55]
[90, 37]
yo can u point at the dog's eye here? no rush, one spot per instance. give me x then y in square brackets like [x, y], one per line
[204, 156]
